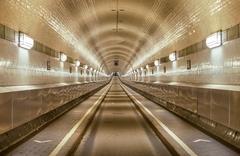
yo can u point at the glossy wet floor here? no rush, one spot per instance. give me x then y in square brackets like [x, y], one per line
[118, 130]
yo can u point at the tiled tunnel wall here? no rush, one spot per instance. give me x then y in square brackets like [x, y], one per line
[205, 91]
[207, 94]
[34, 83]
[219, 65]
[19, 66]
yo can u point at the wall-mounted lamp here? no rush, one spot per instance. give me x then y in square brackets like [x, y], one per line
[142, 69]
[91, 69]
[63, 57]
[157, 62]
[77, 63]
[214, 40]
[172, 56]
[85, 66]
[25, 41]
[147, 66]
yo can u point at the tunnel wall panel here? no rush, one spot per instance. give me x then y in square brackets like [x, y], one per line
[218, 105]
[204, 105]
[216, 111]
[5, 111]
[234, 110]
[19, 107]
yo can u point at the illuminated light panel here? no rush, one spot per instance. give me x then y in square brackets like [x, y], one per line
[214, 40]
[142, 69]
[157, 62]
[25, 41]
[77, 63]
[63, 57]
[91, 69]
[85, 66]
[172, 56]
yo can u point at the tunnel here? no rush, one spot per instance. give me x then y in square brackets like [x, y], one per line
[119, 77]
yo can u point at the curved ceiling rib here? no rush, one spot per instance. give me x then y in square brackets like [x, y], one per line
[116, 54]
[115, 48]
[116, 57]
[115, 41]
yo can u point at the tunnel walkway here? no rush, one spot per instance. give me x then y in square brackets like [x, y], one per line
[109, 124]
[119, 130]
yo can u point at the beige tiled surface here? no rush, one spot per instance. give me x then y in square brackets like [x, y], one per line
[147, 28]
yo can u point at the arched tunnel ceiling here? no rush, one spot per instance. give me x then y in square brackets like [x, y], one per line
[131, 32]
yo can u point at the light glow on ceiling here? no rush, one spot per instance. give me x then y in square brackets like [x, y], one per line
[218, 5]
